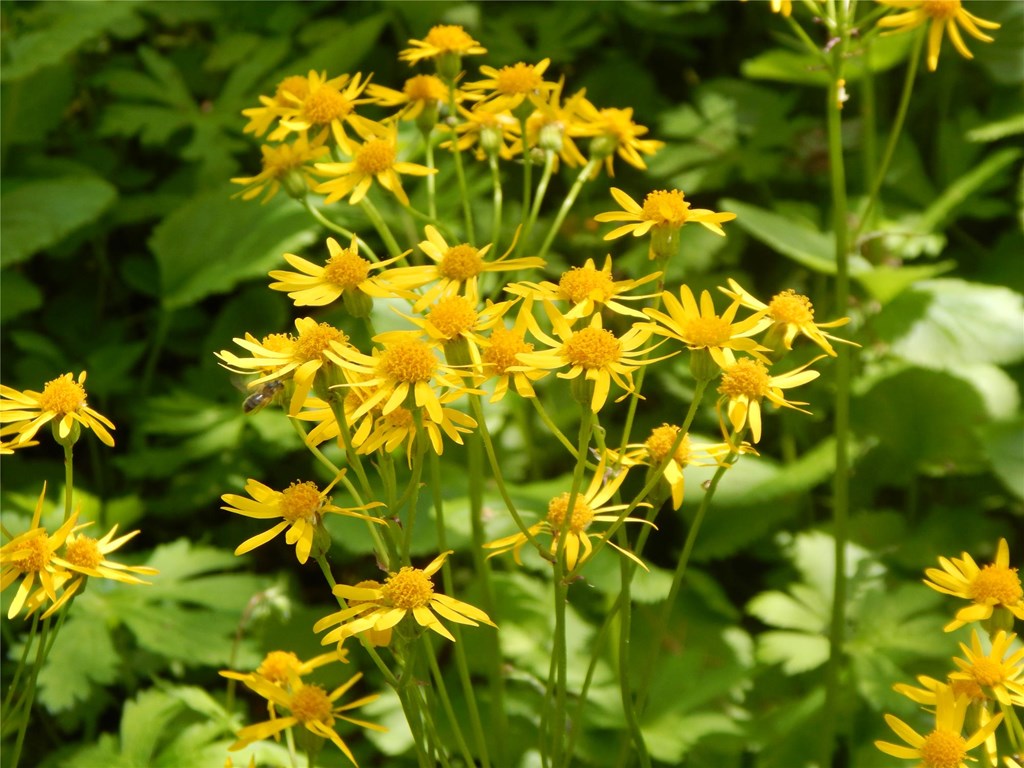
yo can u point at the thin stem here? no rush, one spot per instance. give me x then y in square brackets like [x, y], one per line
[542, 188]
[381, 226]
[492, 161]
[69, 479]
[446, 702]
[460, 173]
[625, 629]
[364, 247]
[550, 424]
[567, 204]
[431, 177]
[30, 694]
[527, 180]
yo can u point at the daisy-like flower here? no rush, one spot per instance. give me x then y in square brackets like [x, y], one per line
[492, 133]
[282, 357]
[590, 506]
[994, 671]
[344, 275]
[63, 398]
[409, 591]
[455, 268]
[376, 158]
[307, 705]
[419, 94]
[442, 41]
[662, 210]
[280, 667]
[997, 585]
[500, 356]
[746, 383]
[930, 688]
[595, 356]
[614, 132]
[287, 164]
[30, 557]
[8, 447]
[588, 289]
[290, 90]
[85, 557]
[940, 15]
[403, 370]
[456, 324]
[699, 328]
[548, 127]
[326, 107]
[301, 507]
[792, 314]
[945, 746]
[507, 88]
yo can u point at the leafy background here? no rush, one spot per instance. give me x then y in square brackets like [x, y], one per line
[124, 254]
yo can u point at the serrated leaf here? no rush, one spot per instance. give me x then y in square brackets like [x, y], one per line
[777, 609]
[41, 213]
[212, 243]
[82, 656]
[795, 651]
[143, 723]
[193, 637]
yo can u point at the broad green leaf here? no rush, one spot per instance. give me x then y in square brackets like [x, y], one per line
[814, 250]
[193, 637]
[997, 129]
[674, 733]
[18, 295]
[777, 609]
[1004, 445]
[801, 68]
[947, 323]
[936, 216]
[41, 213]
[795, 651]
[83, 656]
[647, 586]
[180, 559]
[212, 243]
[337, 45]
[32, 107]
[886, 283]
[143, 723]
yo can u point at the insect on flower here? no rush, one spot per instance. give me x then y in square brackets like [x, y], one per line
[262, 397]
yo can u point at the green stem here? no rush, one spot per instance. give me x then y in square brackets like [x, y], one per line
[527, 181]
[381, 226]
[542, 189]
[550, 424]
[492, 160]
[412, 491]
[25, 706]
[431, 177]
[364, 247]
[446, 703]
[625, 629]
[69, 480]
[567, 204]
[460, 173]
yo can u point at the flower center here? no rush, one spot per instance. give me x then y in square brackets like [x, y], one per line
[987, 672]
[279, 342]
[791, 307]
[425, 88]
[448, 37]
[300, 501]
[83, 552]
[461, 262]
[660, 443]
[311, 704]
[400, 418]
[747, 378]
[282, 158]
[296, 85]
[453, 316]
[408, 361]
[375, 156]
[579, 521]
[504, 347]
[313, 341]
[581, 283]
[996, 584]
[592, 348]
[943, 749]
[967, 688]
[519, 78]
[941, 9]
[666, 208]
[346, 269]
[408, 589]
[62, 395]
[618, 123]
[277, 665]
[34, 553]
[706, 331]
[325, 105]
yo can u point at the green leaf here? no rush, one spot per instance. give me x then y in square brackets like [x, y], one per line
[786, 66]
[82, 656]
[1004, 445]
[143, 723]
[886, 283]
[777, 609]
[212, 243]
[41, 213]
[795, 651]
[997, 129]
[937, 214]
[808, 247]
[948, 323]
[18, 295]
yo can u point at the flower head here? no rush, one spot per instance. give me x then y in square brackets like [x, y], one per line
[940, 15]
[492, 133]
[288, 164]
[614, 132]
[293, 88]
[945, 746]
[443, 40]
[420, 93]
[301, 508]
[374, 159]
[550, 126]
[997, 585]
[507, 88]
[326, 106]
[995, 671]
[500, 356]
[662, 209]
[407, 591]
[63, 399]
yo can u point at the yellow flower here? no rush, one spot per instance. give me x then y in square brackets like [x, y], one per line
[419, 93]
[280, 667]
[664, 209]
[310, 706]
[326, 105]
[508, 87]
[588, 289]
[455, 268]
[595, 356]
[791, 314]
[549, 127]
[30, 556]
[62, 398]
[408, 591]
[994, 671]
[614, 132]
[500, 356]
[345, 272]
[442, 40]
[85, 556]
[698, 327]
[390, 431]
[746, 383]
[301, 507]
[285, 163]
[589, 506]
[997, 585]
[493, 133]
[291, 89]
[927, 694]
[939, 15]
[282, 357]
[376, 158]
[455, 323]
[944, 747]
